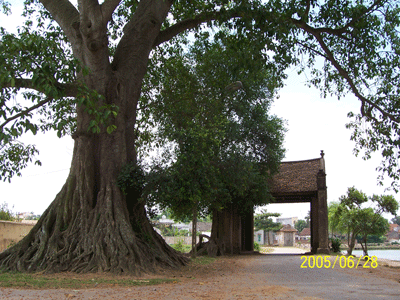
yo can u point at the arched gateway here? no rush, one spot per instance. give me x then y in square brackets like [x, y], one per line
[305, 181]
[296, 181]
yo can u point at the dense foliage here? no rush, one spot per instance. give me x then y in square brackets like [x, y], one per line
[352, 217]
[223, 145]
[301, 224]
[5, 213]
[345, 46]
[263, 221]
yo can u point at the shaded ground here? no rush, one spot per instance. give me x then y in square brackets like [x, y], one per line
[272, 276]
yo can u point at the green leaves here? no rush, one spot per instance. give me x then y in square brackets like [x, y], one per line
[131, 179]
[223, 144]
[359, 44]
[263, 221]
[15, 156]
[352, 215]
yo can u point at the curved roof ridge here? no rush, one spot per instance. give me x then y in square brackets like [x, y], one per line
[300, 161]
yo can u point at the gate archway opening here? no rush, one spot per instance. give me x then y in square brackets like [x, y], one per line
[305, 181]
[296, 182]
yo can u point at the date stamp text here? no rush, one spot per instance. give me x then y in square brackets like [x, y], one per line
[319, 262]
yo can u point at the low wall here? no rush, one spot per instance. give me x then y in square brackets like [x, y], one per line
[12, 232]
[187, 240]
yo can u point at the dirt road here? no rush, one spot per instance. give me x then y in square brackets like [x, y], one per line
[272, 276]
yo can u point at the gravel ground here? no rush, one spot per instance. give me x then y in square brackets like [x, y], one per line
[272, 276]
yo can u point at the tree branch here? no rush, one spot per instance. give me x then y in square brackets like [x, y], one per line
[313, 50]
[180, 27]
[338, 31]
[108, 8]
[26, 111]
[346, 76]
[369, 9]
[65, 14]
[69, 90]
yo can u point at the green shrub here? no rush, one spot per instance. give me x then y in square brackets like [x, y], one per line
[335, 245]
[5, 213]
[179, 246]
[257, 246]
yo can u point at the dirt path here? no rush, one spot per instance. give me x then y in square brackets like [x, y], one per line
[273, 276]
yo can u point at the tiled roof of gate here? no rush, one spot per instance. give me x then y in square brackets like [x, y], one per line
[296, 177]
[287, 228]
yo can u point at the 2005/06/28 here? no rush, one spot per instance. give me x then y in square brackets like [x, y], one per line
[344, 262]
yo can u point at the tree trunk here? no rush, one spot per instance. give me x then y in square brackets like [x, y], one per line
[92, 225]
[364, 246]
[351, 244]
[231, 233]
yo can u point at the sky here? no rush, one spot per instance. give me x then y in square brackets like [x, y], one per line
[313, 124]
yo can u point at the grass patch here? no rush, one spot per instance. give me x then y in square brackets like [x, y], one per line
[182, 247]
[38, 281]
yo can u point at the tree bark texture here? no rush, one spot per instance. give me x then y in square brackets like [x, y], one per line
[92, 225]
[232, 232]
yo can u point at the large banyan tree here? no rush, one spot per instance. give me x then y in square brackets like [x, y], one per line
[78, 69]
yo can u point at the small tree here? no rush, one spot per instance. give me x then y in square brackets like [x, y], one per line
[300, 225]
[5, 213]
[264, 222]
[333, 218]
[355, 219]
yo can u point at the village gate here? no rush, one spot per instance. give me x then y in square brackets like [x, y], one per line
[296, 182]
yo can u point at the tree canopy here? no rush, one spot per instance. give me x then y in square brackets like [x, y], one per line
[300, 225]
[345, 46]
[224, 143]
[353, 217]
[263, 221]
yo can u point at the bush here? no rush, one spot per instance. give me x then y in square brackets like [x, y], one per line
[335, 245]
[5, 213]
[179, 246]
[257, 246]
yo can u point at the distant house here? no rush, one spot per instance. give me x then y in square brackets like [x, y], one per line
[393, 234]
[259, 237]
[287, 221]
[165, 221]
[285, 236]
[305, 234]
[201, 226]
[182, 226]
[394, 227]
[264, 237]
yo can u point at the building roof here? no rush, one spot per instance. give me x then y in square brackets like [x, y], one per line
[393, 227]
[296, 176]
[305, 232]
[287, 228]
[393, 235]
